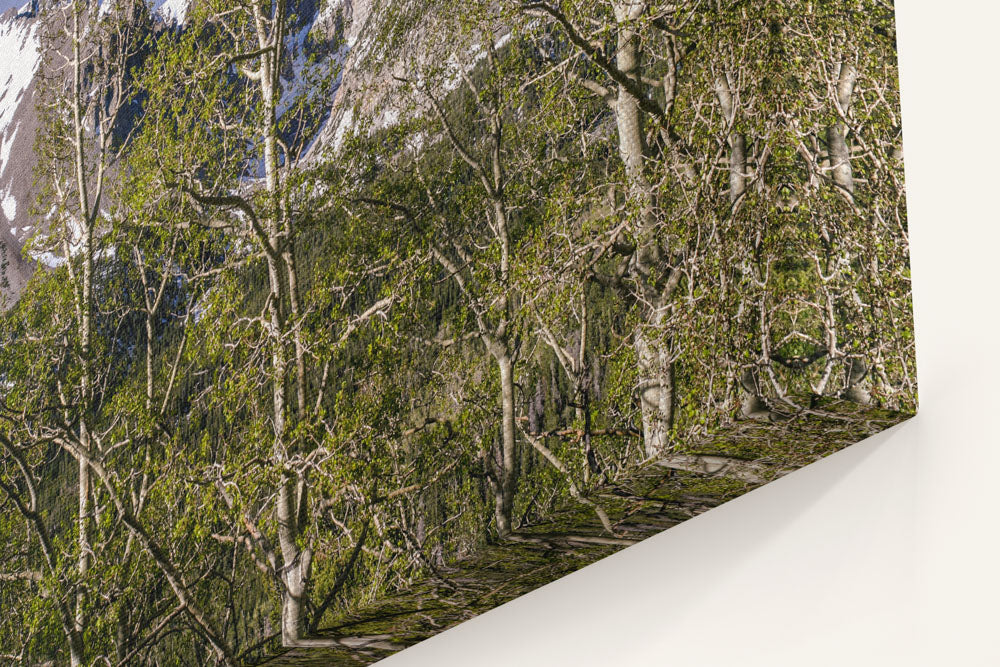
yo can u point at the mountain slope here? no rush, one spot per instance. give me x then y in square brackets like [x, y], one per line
[341, 32]
[18, 122]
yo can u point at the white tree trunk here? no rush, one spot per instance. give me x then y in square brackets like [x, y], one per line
[656, 388]
[507, 484]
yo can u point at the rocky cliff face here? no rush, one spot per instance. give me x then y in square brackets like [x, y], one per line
[384, 44]
[19, 61]
[345, 33]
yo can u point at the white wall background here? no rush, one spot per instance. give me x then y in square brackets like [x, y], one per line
[887, 553]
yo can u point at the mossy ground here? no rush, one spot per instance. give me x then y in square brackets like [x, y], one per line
[651, 500]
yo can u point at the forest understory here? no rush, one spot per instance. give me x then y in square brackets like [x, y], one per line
[657, 496]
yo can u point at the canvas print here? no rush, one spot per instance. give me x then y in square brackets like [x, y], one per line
[330, 324]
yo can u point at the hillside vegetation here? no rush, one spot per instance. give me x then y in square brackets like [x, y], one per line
[551, 271]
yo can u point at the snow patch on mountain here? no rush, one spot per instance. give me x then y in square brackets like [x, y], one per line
[6, 144]
[49, 259]
[171, 11]
[295, 86]
[19, 45]
[9, 206]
